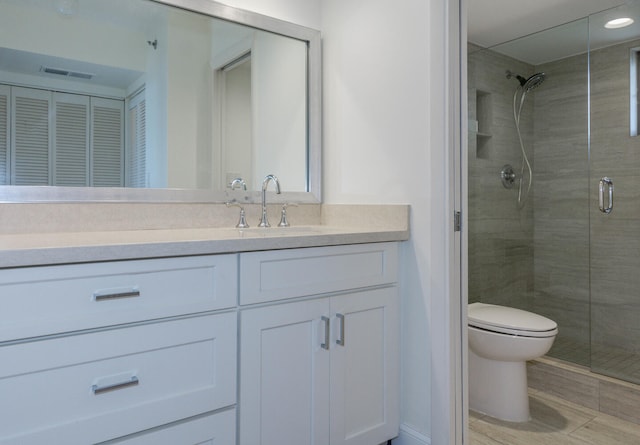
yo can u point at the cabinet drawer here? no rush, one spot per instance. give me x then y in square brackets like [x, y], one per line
[217, 428]
[282, 274]
[45, 300]
[98, 386]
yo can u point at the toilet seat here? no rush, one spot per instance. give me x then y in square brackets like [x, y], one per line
[511, 321]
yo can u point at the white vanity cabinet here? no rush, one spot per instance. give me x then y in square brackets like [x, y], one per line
[147, 351]
[99, 351]
[319, 345]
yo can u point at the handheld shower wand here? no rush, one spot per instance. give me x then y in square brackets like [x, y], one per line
[526, 85]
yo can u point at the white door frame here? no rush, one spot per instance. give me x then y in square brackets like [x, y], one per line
[449, 326]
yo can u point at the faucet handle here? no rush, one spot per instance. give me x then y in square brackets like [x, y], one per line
[283, 214]
[242, 221]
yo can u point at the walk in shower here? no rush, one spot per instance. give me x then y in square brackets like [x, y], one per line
[559, 110]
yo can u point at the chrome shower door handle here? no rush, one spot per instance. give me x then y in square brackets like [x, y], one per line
[608, 184]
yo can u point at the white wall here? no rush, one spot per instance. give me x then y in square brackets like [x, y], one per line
[376, 150]
[156, 81]
[301, 12]
[385, 111]
[279, 114]
[237, 128]
[386, 114]
[189, 97]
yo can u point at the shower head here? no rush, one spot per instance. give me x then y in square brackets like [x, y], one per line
[528, 84]
[533, 82]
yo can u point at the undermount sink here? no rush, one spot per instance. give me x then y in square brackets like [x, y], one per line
[281, 231]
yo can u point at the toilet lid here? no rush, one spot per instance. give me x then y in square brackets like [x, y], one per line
[510, 320]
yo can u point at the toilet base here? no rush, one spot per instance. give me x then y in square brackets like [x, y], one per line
[498, 389]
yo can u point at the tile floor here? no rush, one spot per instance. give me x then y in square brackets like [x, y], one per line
[554, 422]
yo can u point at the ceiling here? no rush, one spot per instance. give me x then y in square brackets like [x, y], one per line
[518, 18]
[491, 22]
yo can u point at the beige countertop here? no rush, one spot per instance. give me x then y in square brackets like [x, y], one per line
[19, 250]
[47, 248]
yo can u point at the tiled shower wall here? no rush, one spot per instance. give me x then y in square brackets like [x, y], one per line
[538, 258]
[500, 235]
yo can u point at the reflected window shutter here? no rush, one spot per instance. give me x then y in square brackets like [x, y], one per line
[137, 147]
[107, 142]
[71, 141]
[30, 145]
[4, 134]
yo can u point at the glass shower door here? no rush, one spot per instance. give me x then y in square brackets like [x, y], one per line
[532, 253]
[615, 195]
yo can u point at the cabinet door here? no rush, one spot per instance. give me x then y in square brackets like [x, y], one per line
[104, 384]
[5, 133]
[70, 166]
[284, 374]
[364, 367]
[107, 142]
[212, 429]
[31, 137]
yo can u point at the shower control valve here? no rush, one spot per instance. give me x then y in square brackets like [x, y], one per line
[508, 176]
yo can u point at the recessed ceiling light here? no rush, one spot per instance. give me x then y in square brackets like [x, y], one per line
[618, 23]
[67, 7]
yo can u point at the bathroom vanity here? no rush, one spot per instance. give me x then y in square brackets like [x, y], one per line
[233, 337]
[132, 311]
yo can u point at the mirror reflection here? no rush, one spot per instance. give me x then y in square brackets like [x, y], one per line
[122, 93]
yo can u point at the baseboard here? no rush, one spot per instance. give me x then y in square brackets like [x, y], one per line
[409, 436]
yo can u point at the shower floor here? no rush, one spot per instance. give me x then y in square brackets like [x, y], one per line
[554, 421]
[618, 363]
[614, 362]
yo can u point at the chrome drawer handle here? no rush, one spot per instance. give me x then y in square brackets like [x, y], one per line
[325, 345]
[340, 341]
[97, 296]
[97, 390]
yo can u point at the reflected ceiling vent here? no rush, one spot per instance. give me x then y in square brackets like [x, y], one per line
[66, 73]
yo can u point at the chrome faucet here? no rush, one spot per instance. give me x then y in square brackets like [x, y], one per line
[264, 222]
[238, 182]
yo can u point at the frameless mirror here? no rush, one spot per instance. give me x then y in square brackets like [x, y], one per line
[154, 100]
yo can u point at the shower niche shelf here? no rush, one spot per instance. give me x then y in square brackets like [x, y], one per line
[484, 119]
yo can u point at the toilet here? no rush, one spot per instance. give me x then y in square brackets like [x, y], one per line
[501, 340]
